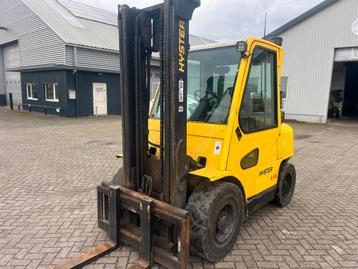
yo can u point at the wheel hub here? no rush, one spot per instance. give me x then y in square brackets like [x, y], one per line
[223, 221]
[224, 224]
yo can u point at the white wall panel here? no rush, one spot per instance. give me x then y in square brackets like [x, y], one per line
[13, 85]
[309, 56]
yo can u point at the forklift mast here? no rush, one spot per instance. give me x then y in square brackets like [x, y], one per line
[157, 30]
[144, 205]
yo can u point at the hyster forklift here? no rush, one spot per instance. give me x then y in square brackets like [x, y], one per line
[211, 149]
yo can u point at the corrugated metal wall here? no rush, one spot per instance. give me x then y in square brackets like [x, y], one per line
[70, 56]
[38, 44]
[92, 59]
[309, 56]
[42, 48]
[102, 60]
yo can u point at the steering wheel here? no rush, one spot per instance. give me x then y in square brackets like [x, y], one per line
[209, 97]
[198, 95]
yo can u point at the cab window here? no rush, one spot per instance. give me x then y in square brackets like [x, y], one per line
[211, 81]
[258, 110]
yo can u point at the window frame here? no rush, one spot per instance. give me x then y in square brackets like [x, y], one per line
[275, 53]
[154, 107]
[33, 85]
[238, 65]
[287, 84]
[54, 95]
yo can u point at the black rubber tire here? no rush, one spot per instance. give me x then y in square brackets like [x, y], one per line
[286, 185]
[208, 204]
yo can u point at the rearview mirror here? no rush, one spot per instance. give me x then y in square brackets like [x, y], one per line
[283, 116]
[222, 70]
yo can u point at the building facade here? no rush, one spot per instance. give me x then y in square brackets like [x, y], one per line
[61, 57]
[320, 71]
[54, 61]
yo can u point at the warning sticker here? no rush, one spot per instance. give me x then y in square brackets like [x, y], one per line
[217, 149]
[181, 91]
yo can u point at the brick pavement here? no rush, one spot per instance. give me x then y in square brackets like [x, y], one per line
[49, 169]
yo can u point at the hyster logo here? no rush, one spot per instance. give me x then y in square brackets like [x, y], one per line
[266, 171]
[182, 35]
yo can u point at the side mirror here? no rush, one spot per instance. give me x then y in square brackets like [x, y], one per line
[241, 47]
[283, 116]
[277, 40]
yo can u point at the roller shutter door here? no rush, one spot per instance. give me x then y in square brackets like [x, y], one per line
[12, 79]
[11, 56]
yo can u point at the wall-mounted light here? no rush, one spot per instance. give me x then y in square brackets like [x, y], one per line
[3, 28]
[241, 47]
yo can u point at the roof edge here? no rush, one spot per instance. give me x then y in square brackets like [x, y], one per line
[81, 17]
[69, 44]
[44, 21]
[313, 11]
[214, 45]
[47, 67]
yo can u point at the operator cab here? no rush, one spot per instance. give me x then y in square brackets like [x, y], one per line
[234, 118]
[212, 72]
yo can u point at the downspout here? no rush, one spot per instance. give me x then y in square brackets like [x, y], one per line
[75, 88]
[75, 63]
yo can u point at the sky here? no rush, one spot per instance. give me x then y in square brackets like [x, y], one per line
[222, 20]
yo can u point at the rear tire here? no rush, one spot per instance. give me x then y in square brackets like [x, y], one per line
[216, 214]
[286, 185]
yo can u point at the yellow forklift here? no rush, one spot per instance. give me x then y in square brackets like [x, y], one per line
[212, 149]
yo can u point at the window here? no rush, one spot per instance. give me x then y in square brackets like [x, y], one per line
[259, 105]
[355, 53]
[211, 82]
[31, 91]
[284, 84]
[51, 92]
[250, 160]
[154, 88]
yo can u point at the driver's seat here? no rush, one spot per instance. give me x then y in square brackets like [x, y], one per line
[203, 108]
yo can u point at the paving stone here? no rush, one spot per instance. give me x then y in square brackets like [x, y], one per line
[50, 167]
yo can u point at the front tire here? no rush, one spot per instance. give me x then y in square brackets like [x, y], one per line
[286, 185]
[216, 214]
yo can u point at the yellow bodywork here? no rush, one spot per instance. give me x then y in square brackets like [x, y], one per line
[203, 139]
